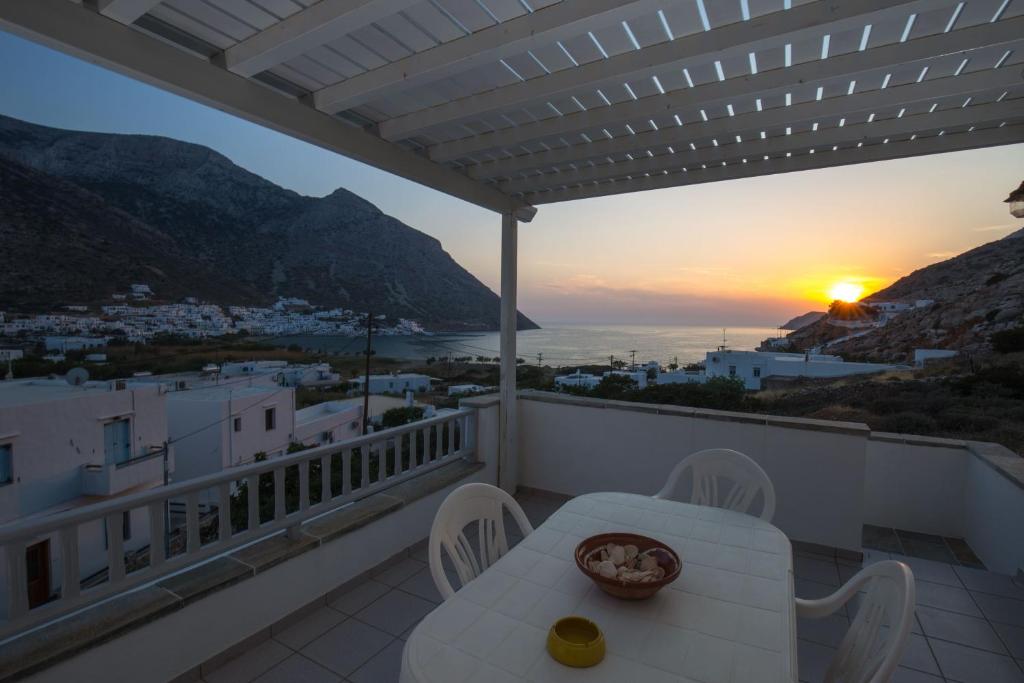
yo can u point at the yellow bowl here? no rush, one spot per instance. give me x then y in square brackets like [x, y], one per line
[575, 641]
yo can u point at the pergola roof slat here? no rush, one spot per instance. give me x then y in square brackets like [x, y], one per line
[505, 104]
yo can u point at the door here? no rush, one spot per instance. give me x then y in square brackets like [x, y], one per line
[117, 441]
[37, 570]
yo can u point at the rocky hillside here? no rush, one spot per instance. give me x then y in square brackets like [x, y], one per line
[94, 212]
[976, 294]
[804, 320]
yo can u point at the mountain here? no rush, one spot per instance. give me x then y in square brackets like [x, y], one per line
[804, 320]
[94, 212]
[974, 295]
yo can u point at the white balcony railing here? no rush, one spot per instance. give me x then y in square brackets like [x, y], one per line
[110, 479]
[347, 471]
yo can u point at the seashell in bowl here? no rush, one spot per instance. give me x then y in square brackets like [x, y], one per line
[628, 566]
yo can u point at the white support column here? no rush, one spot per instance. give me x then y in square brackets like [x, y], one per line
[508, 457]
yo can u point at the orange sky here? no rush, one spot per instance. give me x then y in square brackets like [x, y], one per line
[752, 251]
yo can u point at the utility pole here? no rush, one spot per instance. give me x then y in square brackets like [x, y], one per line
[632, 360]
[540, 359]
[366, 382]
[611, 362]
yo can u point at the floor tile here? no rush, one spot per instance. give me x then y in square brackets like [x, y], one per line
[828, 631]
[398, 571]
[347, 646]
[948, 598]
[395, 612]
[298, 668]
[929, 570]
[383, 667]
[1000, 609]
[421, 584]
[959, 628]
[1013, 638]
[359, 597]
[917, 655]
[301, 633]
[964, 553]
[813, 660]
[969, 665]
[905, 675]
[989, 582]
[250, 664]
[881, 538]
[812, 569]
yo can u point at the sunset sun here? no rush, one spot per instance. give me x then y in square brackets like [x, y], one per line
[846, 291]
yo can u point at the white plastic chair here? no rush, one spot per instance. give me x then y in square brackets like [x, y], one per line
[722, 478]
[873, 647]
[480, 503]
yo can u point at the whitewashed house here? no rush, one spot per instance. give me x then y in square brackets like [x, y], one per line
[466, 389]
[754, 366]
[638, 376]
[218, 427]
[110, 442]
[398, 383]
[922, 356]
[578, 379]
[328, 422]
[682, 377]
[312, 375]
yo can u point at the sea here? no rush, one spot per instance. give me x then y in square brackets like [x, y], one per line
[557, 344]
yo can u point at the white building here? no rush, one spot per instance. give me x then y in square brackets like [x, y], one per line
[638, 376]
[753, 366]
[395, 384]
[11, 354]
[329, 422]
[922, 356]
[65, 344]
[466, 389]
[578, 379]
[312, 375]
[682, 377]
[62, 447]
[217, 427]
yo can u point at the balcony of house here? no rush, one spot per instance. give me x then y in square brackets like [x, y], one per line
[147, 468]
[332, 577]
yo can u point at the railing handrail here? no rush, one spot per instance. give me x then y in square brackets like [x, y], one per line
[15, 531]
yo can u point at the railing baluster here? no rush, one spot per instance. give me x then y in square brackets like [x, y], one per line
[346, 472]
[325, 479]
[426, 445]
[115, 547]
[157, 533]
[365, 453]
[224, 512]
[69, 585]
[17, 579]
[304, 485]
[279, 494]
[192, 540]
[449, 427]
[252, 484]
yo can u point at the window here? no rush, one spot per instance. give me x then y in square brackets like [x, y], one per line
[327, 437]
[117, 441]
[732, 370]
[6, 464]
[757, 372]
[238, 424]
[270, 418]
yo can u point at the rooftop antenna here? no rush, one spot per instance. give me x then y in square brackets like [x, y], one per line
[76, 377]
[632, 361]
[724, 341]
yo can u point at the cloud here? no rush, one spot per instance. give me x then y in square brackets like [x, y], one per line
[942, 255]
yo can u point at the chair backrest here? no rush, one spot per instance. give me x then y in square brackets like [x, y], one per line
[878, 634]
[480, 503]
[722, 478]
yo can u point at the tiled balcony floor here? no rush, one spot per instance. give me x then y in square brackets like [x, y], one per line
[970, 624]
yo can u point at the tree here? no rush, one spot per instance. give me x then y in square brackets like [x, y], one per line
[396, 417]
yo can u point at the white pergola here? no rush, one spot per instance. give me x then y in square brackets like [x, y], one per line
[510, 104]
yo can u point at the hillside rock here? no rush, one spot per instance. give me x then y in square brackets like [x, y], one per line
[975, 294]
[233, 226]
[804, 320]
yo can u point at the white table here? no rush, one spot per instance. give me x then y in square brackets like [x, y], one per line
[728, 618]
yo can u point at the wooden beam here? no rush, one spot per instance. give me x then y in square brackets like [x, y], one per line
[317, 25]
[93, 37]
[1007, 135]
[984, 115]
[125, 11]
[804, 21]
[765, 82]
[547, 25]
[755, 121]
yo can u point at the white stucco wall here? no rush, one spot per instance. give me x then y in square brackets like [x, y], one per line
[575, 446]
